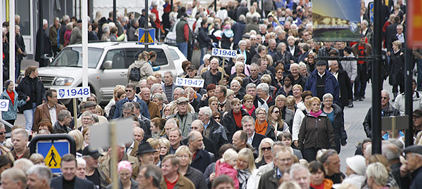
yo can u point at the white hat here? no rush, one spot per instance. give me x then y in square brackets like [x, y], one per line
[357, 164]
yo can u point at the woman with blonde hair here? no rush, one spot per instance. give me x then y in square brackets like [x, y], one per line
[79, 141]
[377, 175]
[264, 152]
[194, 175]
[245, 168]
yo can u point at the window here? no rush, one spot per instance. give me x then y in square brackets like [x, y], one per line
[117, 56]
[132, 55]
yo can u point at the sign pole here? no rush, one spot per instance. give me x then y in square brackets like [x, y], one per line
[75, 114]
[222, 73]
[146, 25]
[115, 184]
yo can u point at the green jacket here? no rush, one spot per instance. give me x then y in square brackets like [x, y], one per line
[180, 34]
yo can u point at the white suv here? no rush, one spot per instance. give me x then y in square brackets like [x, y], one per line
[107, 66]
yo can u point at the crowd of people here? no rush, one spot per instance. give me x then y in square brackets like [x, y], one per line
[272, 117]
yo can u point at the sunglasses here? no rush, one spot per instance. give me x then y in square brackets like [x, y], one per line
[2, 133]
[216, 117]
[384, 98]
[276, 112]
[129, 90]
[266, 148]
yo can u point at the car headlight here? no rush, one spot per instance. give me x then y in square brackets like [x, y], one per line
[63, 81]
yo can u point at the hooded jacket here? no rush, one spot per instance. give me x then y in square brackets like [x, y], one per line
[318, 132]
[144, 67]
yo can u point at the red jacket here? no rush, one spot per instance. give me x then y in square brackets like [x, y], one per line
[157, 21]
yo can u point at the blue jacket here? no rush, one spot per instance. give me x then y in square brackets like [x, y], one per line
[331, 84]
[238, 29]
[12, 112]
[119, 108]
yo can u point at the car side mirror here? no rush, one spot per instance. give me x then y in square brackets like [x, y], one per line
[108, 64]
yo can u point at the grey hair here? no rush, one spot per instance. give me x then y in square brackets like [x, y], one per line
[385, 91]
[364, 22]
[69, 26]
[199, 122]
[106, 29]
[80, 160]
[136, 105]
[207, 111]
[42, 172]
[238, 64]
[250, 85]
[128, 106]
[63, 114]
[66, 18]
[155, 86]
[254, 65]
[21, 131]
[87, 113]
[154, 172]
[234, 81]
[171, 121]
[1, 125]
[246, 119]
[119, 15]
[169, 72]
[330, 62]
[301, 64]
[15, 175]
[182, 91]
[298, 167]
[241, 42]
[264, 87]
[158, 96]
[192, 136]
[390, 151]
[23, 164]
[378, 172]
[242, 18]
[327, 96]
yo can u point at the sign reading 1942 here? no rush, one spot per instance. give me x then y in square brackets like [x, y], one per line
[76, 92]
[190, 82]
[224, 53]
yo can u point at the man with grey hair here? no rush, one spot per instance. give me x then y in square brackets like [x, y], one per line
[240, 25]
[387, 110]
[87, 119]
[119, 20]
[213, 75]
[13, 179]
[76, 35]
[248, 125]
[254, 76]
[168, 85]
[66, 20]
[23, 164]
[149, 176]
[183, 115]
[63, 120]
[39, 177]
[20, 141]
[392, 153]
[263, 91]
[42, 38]
[301, 175]
[201, 159]
[212, 130]
[197, 125]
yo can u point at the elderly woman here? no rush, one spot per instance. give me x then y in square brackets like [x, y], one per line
[278, 80]
[283, 56]
[377, 175]
[397, 68]
[245, 167]
[317, 130]
[248, 105]
[287, 87]
[274, 118]
[157, 127]
[106, 33]
[336, 116]
[261, 125]
[378, 158]
[66, 36]
[241, 58]
[124, 170]
[239, 70]
[264, 152]
[318, 179]
[194, 175]
[232, 119]
[235, 86]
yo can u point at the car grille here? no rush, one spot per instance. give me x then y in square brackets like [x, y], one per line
[47, 80]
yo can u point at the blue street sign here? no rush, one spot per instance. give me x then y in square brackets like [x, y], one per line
[143, 38]
[53, 153]
[371, 12]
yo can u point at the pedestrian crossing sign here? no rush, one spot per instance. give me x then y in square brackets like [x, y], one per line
[144, 38]
[52, 152]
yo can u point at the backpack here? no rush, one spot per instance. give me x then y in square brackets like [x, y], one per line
[135, 74]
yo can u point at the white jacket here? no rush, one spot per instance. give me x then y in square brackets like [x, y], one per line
[253, 180]
[356, 180]
[351, 67]
[297, 121]
[399, 102]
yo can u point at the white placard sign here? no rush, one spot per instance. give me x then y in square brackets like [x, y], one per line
[76, 92]
[4, 105]
[190, 82]
[224, 53]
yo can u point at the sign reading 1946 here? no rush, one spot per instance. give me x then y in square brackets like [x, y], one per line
[190, 82]
[76, 92]
[224, 53]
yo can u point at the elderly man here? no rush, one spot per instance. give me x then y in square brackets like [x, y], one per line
[345, 87]
[76, 35]
[152, 106]
[168, 86]
[130, 96]
[172, 177]
[414, 164]
[145, 157]
[223, 103]
[201, 158]
[212, 76]
[263, 91]
[197, 125]
[239, 139]
[282, 160]
[63, 120]
[261, 52]
[92, 173]
[417, 100]
[48, 110]
[13, 179]
[331, 162]
[183, 115]
[39, 177]
[248, 125]
[20, 144]
[87, 119]
[301, 175]
[254, 78]
[138, 136]
[212, 130]
[392, 153]
[81, 168]
[149, 176]
[175, 138]
[387, 110]
[298, 78]
[321, 81]
[69, 178]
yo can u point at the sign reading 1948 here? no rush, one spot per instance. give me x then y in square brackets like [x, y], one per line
[190, 82]
[76, 92]
[224, 53]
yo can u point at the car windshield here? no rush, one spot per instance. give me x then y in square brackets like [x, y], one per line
[71, 57]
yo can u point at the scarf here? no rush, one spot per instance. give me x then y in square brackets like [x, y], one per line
[316, 114]
[250, 111]
[243, 176]
[261, 128]
[287, 89]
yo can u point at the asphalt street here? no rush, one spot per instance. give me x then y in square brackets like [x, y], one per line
[353, 119]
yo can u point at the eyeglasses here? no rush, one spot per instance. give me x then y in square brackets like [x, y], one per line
[385, 98]
[241, 59]
[261, 113]
[266, 148]
[129, 91]
[216, 117]
[2, 133]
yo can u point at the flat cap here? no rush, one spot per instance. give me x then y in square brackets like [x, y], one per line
[417, 149]
[321, 63]
[182, 99]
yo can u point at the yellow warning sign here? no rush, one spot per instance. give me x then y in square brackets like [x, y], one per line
[53, 158]
[150, 40]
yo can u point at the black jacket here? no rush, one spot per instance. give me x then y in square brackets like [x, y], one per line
[238, 28]
[229, 122]
[202, 160]
[390, 32]
[338, 127]
[209, 145]
[218, 134]
[248, 56]
[318, 132]
[396, 68]
[257, 140]
[301, 81]
[39, 53]
[269, 180]
[390, 111]
[345, 87]
[79, 183]
[24, 90]
[282, 58]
